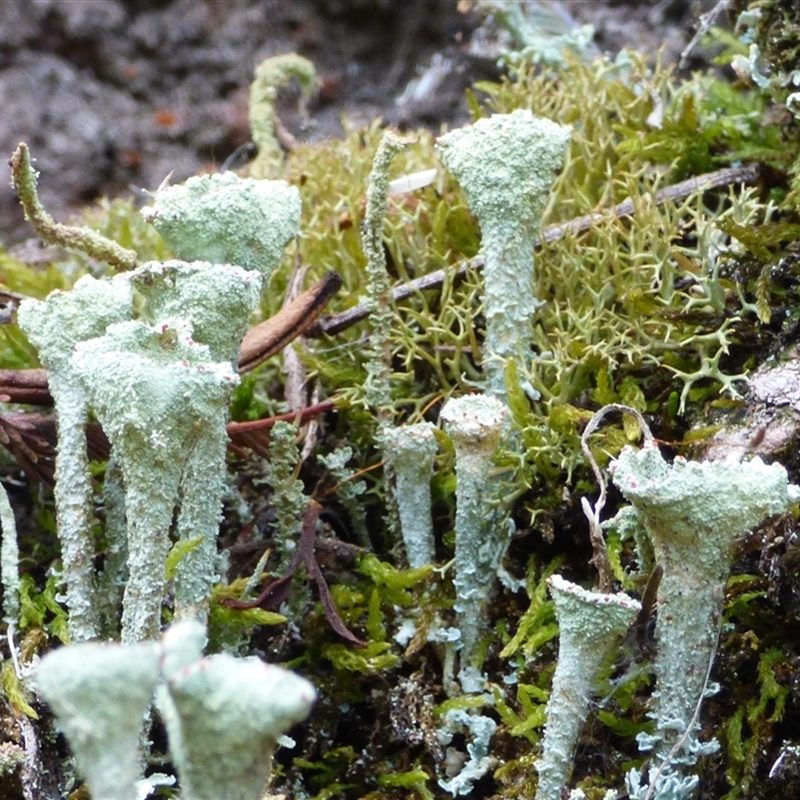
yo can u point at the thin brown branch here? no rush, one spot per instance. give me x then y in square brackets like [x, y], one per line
[255, 434]
[25, 386]
[278, 590]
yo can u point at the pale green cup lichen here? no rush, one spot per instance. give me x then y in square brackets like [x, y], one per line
[694, 513]
[100, 694]
[590, 624]
[409, 450]
[224, 717]
[475, 424]
[163, 403]
[227, 220]
[506, 164]
[55, 325]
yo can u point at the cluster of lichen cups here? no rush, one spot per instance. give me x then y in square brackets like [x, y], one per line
[160, 387]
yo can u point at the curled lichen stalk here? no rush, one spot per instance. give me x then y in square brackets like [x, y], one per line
[271, 75]
[23, 177]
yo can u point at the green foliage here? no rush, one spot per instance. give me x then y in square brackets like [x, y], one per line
[537, 626]
[329, 771]
[415, 780]
[393, 584]
[227, 626]
[178, 552]
[15, 692]
[41, 610]
[370, 660]
[532, 703]
[248, 403]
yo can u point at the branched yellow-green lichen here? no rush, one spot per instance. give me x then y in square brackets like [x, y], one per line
[627, 304]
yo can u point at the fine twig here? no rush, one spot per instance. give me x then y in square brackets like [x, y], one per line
[335, 323]
[600, 552]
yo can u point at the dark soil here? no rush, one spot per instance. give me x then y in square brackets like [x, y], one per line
[115, 94]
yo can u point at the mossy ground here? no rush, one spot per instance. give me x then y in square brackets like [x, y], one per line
[665, 309]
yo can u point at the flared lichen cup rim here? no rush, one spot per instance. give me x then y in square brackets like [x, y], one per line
[594, 616]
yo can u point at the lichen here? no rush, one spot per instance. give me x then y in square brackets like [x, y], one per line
[506, 164]
[656, 294]
[225, 219]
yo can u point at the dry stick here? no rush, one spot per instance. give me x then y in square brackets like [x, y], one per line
[335, 323]
[273, 334]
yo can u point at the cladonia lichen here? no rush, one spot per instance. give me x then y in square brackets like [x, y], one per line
[695, 513]
[55, 326]
[162, 402]
[506, 165]
[225, 219]
[475, 423]
[410, 449]
[223, 715]
[590, 624]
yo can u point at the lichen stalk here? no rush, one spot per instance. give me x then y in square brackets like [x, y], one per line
[73, 492]
[506, 165]
[202, 490]
[410, 450]
[111, 581]
[55, 325]
[9, 561]
[156, 392]
[590, 623]
[224, 716]
[24, 179]
[379, 288]
[475, 424]
[271, 75]
[694, 513]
